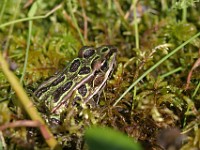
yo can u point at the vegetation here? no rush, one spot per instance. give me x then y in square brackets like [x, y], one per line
[153, 95]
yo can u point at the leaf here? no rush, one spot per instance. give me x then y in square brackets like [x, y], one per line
[99, 138]
[33, 9]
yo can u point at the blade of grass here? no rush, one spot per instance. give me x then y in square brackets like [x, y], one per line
[30, 14]
[135, 23]
[2, 9]
[171, 72]
[196, 90]
[154, 66]
[32, 18]
[16, 11]
[69, 4]
[184, 14]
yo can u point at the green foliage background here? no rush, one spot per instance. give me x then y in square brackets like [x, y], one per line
[50, 35]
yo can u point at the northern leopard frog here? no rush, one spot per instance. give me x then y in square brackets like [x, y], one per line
[80, 82]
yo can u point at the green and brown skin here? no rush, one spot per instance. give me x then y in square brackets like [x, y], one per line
[81, 81]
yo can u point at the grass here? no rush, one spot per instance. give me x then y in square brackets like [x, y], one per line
[148, 93]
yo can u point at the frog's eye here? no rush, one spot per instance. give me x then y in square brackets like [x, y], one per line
[104, 49]
[86, 52]
[107, 51]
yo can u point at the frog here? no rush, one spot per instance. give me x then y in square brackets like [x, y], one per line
[80, 82]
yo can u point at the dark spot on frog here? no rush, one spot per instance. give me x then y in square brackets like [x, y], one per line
[82, 90]
[61, 89]
[41, 91]
[58, 80]
[57, 93]
[84, 70]
[75, 65]
[67, 86]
